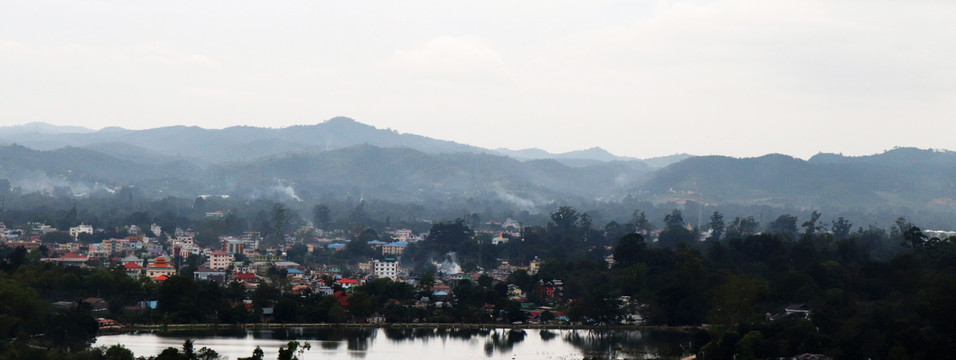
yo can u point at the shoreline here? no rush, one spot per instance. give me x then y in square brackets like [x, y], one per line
[259, 326]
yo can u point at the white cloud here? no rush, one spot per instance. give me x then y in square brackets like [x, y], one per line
[162, 54]
[449, 58]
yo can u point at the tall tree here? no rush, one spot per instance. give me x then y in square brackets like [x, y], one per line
[629, 250]
[785, 225]
[840, 227]
[321, 216]
[675, 231]
[641, 223]
[716, 225]
[674, 219]
[810, 226]
[741, 227]
[280, 219]
[565, 217]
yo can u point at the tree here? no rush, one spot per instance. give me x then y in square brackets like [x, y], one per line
[841, 228]
[675, 233]
[74, 328]
[119, 352]
[280, 219]
[641, 223]
[785, 225]
[629, 250]
[321, 216]
[359, 216]
[741, 227]
[674, 219]
[446, 237]
[177, 298]
[565, 217]
[716, 225]
[913, 238]
[21, 311]
[810, 226]
[360, 304]
[734, 300]
[56, 237]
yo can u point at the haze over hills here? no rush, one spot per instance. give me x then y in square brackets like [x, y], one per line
[344, 158]
[247, 143]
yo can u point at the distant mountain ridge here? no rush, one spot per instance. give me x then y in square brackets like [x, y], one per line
[239, 143]
[43, 128]
[342, 157]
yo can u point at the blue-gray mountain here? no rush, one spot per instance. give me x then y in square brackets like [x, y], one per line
[344, 158]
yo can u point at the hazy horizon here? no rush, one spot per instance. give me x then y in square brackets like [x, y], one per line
[531, 147]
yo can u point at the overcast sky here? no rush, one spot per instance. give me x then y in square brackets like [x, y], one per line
[638, 78]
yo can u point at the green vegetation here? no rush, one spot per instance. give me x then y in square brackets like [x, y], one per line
[784, 288]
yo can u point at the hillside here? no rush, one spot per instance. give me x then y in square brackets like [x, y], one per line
[900, 177]
[342, 158]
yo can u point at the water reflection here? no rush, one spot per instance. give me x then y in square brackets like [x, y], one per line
[547, 335]
[419, 343]
[503, 340]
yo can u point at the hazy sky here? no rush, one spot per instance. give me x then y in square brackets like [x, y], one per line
[638, 78]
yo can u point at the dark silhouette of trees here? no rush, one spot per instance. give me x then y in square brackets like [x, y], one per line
[717, 225]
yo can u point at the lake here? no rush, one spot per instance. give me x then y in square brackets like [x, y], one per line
[418, 343]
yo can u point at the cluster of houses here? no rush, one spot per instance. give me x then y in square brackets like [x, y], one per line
[240, 259]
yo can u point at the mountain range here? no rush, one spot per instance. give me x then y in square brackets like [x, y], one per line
[342, 157]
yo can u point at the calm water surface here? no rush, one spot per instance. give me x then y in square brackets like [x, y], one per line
[419, 344]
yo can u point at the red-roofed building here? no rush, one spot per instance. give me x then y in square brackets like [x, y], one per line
[348, 283]
[160, 278]
[160, 267]
[70, 259]
[133, 270]
[246, 277]
[108, 324]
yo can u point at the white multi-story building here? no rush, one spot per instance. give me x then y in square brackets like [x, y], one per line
[385, 269]
[77, 230]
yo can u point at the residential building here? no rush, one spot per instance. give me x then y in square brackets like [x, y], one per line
[385, 269]
[112, 246]
[70, 259]
[133, 270]
[208, 274]
[81, 229]
[394, 248]
[232, 245]
[220, 260]
[348, 283]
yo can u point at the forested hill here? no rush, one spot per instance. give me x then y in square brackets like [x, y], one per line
[344, 159]
[362, 171]
[899, 178]
[402, 174]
